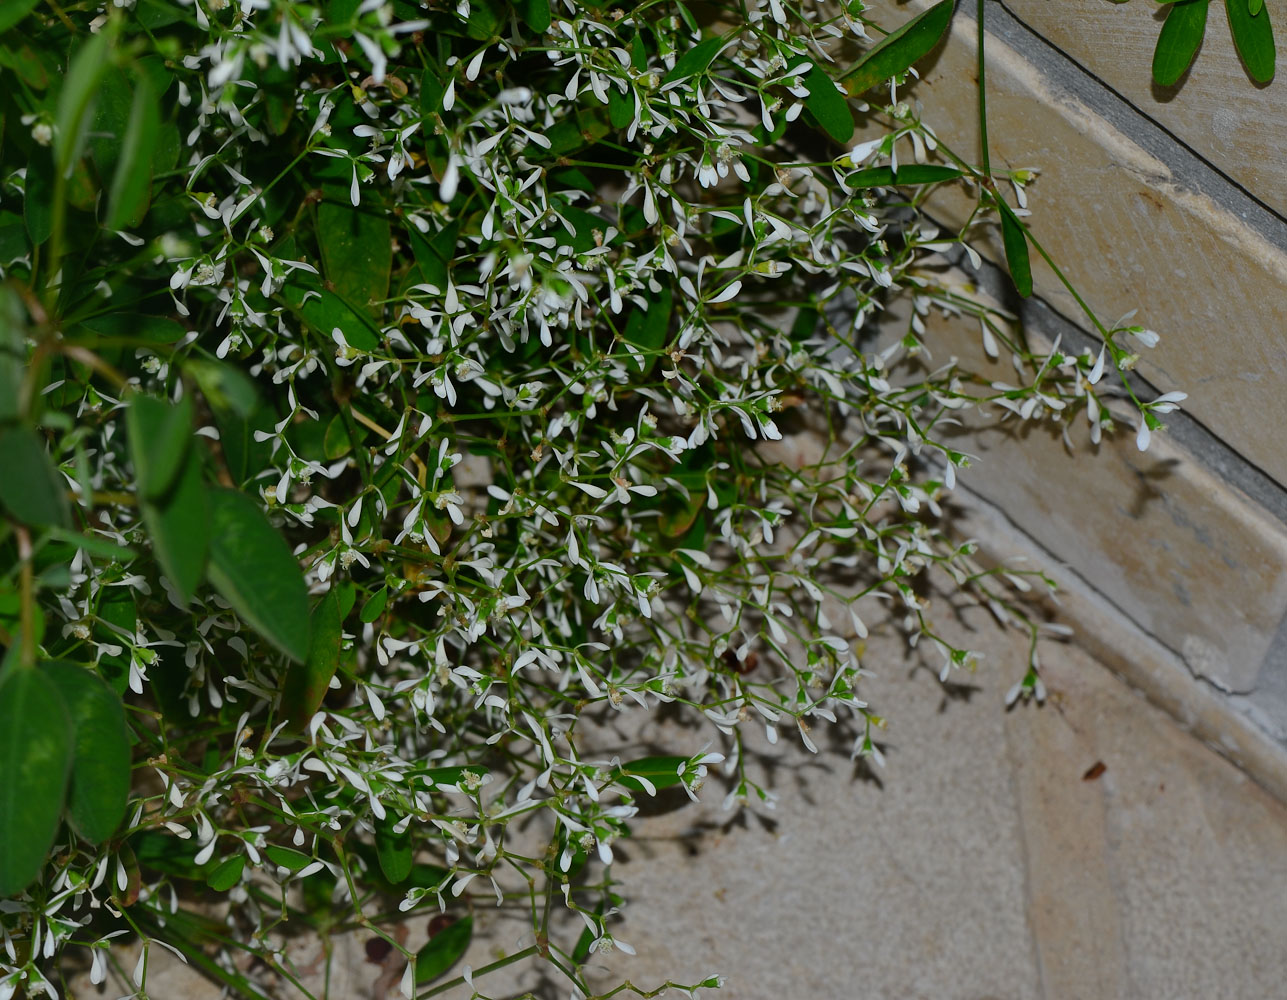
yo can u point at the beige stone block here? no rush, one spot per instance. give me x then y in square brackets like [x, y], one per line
[1129, 237]
[1240, 128]
[1183, 554]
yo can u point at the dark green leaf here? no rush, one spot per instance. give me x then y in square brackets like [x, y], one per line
[908, 174]
[80, 88]
[444, 950]
[1253, 37]
[13, 352]
[330, 312]
[621, 108]
[695, 60]
[38, 199]
[306, 681]
[1016, 251]
[435, 254]
[227, 874]
[828, 105]
[226, 389]
[179, 527]
[485, 19]
[35, 758]
[373, 608]
[253, 568]
[128, 198]
[582, 950]
[160, 434]
[95, 545]
[287, 858]
[662, 772]
[357, 252]
[14, 11]
[647, 329]
[1179, 40]
[894, 54]
[100, 772]
[136, 327]
[393, 851]
[535, 14]
[30, 486]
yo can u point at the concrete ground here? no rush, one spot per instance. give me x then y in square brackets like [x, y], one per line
[1085, 849]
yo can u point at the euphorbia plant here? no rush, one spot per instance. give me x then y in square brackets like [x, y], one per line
[383, 389]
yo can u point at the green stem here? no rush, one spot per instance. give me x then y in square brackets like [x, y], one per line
[983, 98]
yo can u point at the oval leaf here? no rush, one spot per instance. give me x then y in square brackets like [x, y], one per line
[35, 757]
[288, 858]
[393, 851]
[1180, 38]
[444, 950]
[1016, 251]
[253, 568]
[160, 434]
[179, 526]
[535, 14]
[695, 60]
[227, 874]
[100, 774]
[307, 681]
[1253, 37]
[31, 488]
[894, 54]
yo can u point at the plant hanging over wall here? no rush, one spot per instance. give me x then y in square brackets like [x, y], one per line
[391, 391]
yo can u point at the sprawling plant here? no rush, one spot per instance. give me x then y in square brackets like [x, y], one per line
[391, 393]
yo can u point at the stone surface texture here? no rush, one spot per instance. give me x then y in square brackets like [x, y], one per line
[1128, 232]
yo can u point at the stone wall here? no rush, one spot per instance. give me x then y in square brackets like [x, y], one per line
[1165, 201]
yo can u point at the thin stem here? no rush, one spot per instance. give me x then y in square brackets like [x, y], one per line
[983, 98]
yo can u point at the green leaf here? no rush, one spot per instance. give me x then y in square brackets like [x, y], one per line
[444, 950]
[253, 568]
[136, 327]
[287, 858]
[621, 109]
[127, 200]
[13, 352]
[357, 253]
[373, 608]
[894, 54]
[647, 329]
[1179, 40]
[695, 60]
[80, 88]
[1254, 6]
[435, 254]
[35, 758]
[535, 14]
[38, 199]
[30, 486]
[1016, 250]
[307, 680]
[100, 772]
[226, 389]
[828, 105]
[393, 851]
[93, 544]
[662, 772]
[179, 526]
[908, 174]
[1253, 37]
[582, 950]
[14, 11]
[330, 312]
[227, 874]
[160, 434]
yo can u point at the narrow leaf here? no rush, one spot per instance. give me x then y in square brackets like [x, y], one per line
[1179, 40]
[911, 173]
[100, 773]
[374, 605]
[178, 524]
[444, 950]
[14, 11]
[1254, 6]
[128, 198]
[160, 434]
[78, 93]
[1016, 251]
[253, 568]
[828, 105]
[1253, 37]
[306, 681]
[35, 757]
[894, 54]
[38, 198]
[661, 772]
[31, 488]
